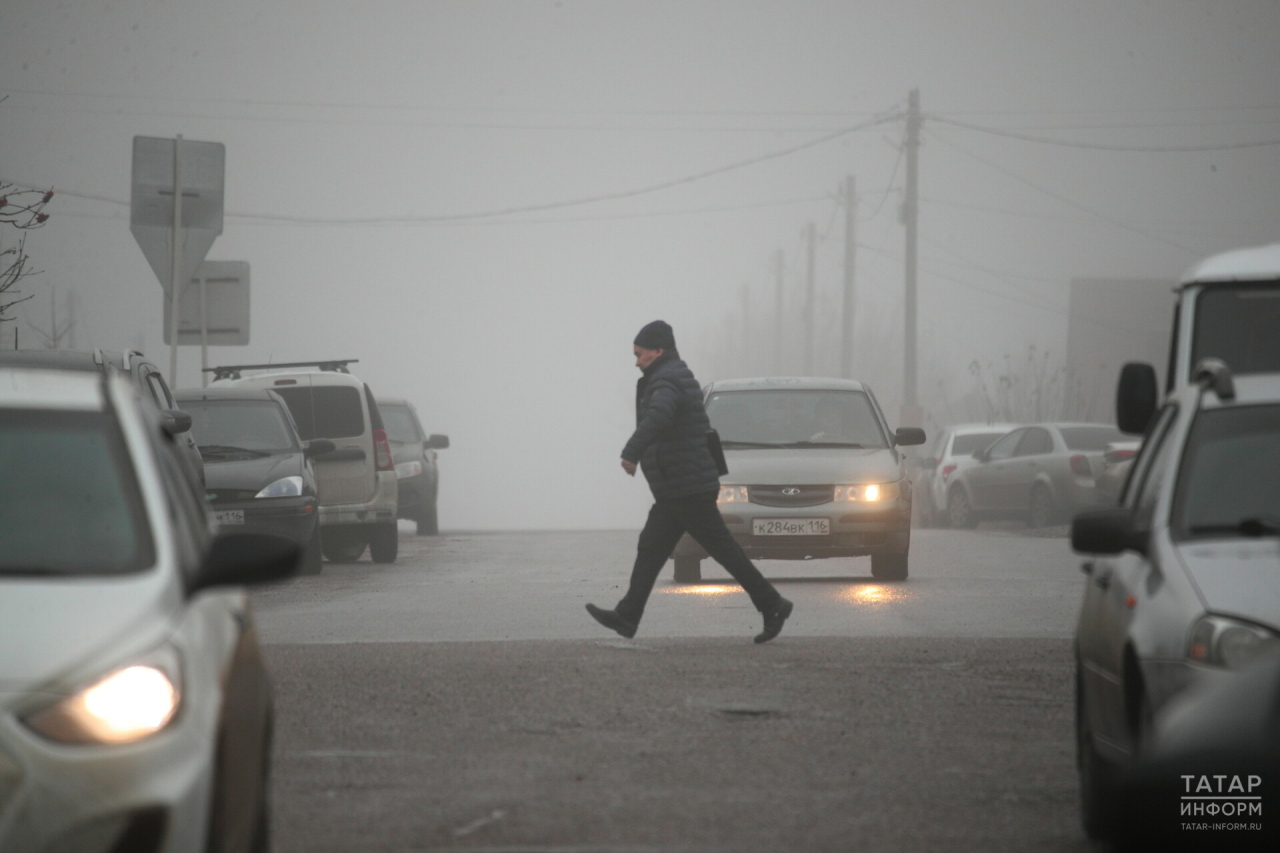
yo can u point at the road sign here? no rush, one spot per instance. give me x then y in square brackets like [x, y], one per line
[223, 289]
[151, 203]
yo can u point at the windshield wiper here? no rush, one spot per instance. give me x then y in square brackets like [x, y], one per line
[1248, 526]
[729, 442]
[227, 450]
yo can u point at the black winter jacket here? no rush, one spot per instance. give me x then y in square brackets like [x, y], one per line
[670, 441]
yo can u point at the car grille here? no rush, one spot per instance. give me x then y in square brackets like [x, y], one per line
[803, 495]
[219, 496]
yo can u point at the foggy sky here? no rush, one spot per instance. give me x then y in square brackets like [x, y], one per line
[513, 334]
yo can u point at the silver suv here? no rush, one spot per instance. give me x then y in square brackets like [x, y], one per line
[356, 481]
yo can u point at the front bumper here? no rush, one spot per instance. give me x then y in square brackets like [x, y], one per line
[295, 518]
[857, 530]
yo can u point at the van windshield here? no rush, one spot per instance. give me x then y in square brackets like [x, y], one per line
[1238, 325]
[795, 418]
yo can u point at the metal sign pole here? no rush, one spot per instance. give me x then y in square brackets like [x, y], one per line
[175, 281]
[204, 333]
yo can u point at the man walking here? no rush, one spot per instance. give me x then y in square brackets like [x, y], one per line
[670, 445]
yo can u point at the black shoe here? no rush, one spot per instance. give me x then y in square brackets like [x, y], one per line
[773, 620]
[613, 621]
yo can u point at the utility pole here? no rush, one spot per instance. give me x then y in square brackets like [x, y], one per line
[176, 284]
[748, 354]
[846, 319]
[811, 239]
[911, 414]
[778, 311]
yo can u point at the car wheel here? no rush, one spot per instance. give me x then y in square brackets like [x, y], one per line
[890, 566]
[341, 546]
[1097, 776]
[312, 555]
[1042, 512]
[428, 522]
[959, 512]
[688, 569]
[384, 542]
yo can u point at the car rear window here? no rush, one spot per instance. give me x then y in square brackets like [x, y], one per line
[325, 411]
[1091, 437]
[69, 501]
[966, 445]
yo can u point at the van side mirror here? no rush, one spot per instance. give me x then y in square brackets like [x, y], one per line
[908, 436]
[176, 421]
[1107, 531]
[1136, 397]
[319, 447]
[438, 442]
[237, 559]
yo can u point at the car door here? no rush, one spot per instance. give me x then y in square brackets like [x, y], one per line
[1028, 465]
[154, 382]
[986, 479]
[1113, 590]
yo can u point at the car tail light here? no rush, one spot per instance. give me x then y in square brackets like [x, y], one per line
[1080, 466]
[382, 451]
[946, 471]
[1114, 456]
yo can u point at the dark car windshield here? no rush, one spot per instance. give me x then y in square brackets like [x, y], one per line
[259, 425]
[796, 418]
[1238, 325]
[325, 411]
[401, 426]
[1091, 437]
[965, 445]
[1228, 483]
[69, 502]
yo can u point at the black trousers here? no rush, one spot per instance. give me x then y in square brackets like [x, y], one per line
[698, 515]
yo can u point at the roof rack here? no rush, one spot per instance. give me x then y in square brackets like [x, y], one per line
[233, 371]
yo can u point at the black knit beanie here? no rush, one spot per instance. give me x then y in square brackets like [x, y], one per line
[656, 335]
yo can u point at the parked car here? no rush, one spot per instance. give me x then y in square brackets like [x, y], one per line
[814, 471]
[1041, 473]
[355, 481]
[1183, 578]
[146, 379]
[952, 451]
[417, 473]
[258, 476]
[135, 709]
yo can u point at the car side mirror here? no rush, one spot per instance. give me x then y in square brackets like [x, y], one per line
[176, 421]
[438, 442]
[1107, 531]
[908, 436]
[1136, 397]
[238, 559]
[319, 447]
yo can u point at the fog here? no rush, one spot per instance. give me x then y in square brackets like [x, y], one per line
[363, 138]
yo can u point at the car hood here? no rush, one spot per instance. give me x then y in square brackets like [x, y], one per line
[252, 474]
[49, 627]
[810, 466]
[1237, 577]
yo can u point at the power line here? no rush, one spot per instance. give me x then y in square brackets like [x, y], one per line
[1104, 146]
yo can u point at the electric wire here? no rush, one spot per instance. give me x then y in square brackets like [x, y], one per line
[1103, 146]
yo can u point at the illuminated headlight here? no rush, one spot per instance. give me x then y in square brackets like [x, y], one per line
[733, 495]
[869, 492]
[285, 487]
[1219, 641]
[408, 469]
[127, 705]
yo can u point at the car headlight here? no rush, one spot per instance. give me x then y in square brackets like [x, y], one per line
[733, 495]
[869, 492]
[408, 469]
[126, 705]
[1231, 643]
[285, 487]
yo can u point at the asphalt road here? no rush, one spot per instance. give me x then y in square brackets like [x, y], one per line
[463, 699]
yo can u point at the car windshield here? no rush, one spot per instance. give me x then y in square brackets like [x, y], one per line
[1228, 484]
[966, 445]
[401, 427]
[1238, 325]
[325, 411]
[1090, 437]
[256, 425]
[795, 418]
[69, 502]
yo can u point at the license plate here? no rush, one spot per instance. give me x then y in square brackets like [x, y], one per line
[791, 526]
[229, 516]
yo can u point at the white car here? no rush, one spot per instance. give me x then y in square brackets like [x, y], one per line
[135, 710]
[952, 452]
[356, 481]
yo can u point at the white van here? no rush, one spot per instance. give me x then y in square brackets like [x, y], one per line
[356, 481]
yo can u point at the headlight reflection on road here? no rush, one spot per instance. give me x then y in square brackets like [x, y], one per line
[702, 589]
[873, 595]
